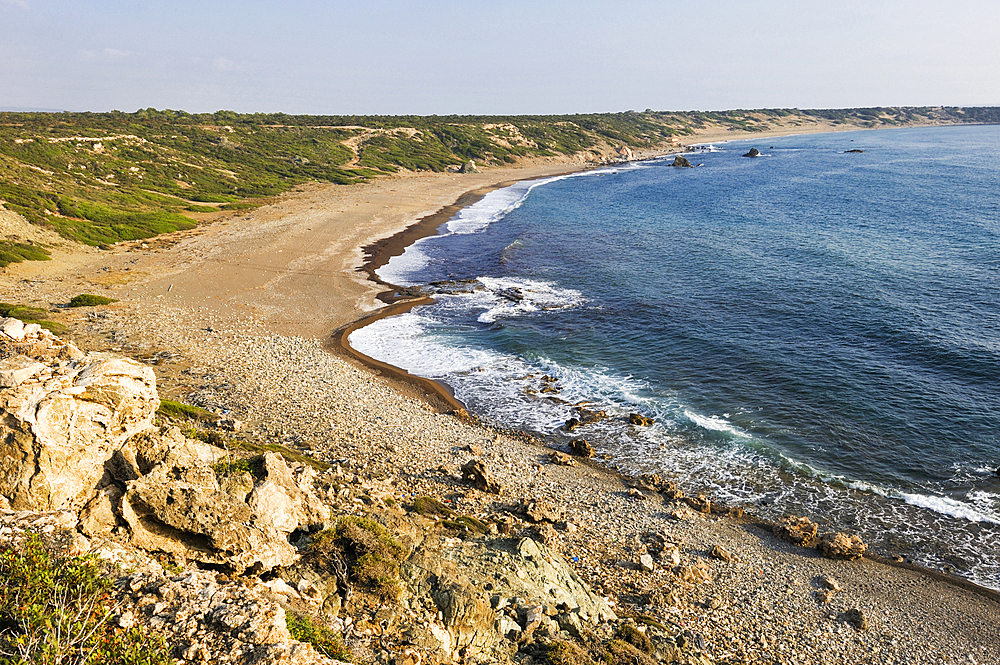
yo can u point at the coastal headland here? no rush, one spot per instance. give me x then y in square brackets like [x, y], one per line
[238, 316]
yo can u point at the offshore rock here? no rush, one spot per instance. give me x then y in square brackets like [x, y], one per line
[581, 448]
[754, 152]
[61, 420]
[640, 420]
[681, 162]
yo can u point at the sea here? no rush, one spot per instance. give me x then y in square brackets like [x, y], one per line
[815, 331]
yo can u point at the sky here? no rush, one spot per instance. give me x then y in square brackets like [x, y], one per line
[397, 57]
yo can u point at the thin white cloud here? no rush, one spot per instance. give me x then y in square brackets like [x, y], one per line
[15, 3]
[221, 64]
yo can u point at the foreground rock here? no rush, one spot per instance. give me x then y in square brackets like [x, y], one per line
[65, 415]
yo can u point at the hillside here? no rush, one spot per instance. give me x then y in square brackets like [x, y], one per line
[100, 178]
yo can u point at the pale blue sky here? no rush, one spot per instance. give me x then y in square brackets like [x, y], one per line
[496, 57]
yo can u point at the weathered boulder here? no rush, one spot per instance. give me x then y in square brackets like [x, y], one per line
[797, 530]
[561, 459]
[681, 162]
[841, 546]
[476, 473]
[468, 167]
[640, 420]
[754, 152]
[179, 507]
[62, 420]
[581, 448]
[539, 511]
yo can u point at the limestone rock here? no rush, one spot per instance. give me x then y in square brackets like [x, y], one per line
[15, 370]
[646, 563]
[700, 503]
[640, 420]
[721, 554]
[57, 432]
[841, 546]
[180, 508]
[539, 511]
[561, 459]
[797, 530]
[475, 472]
[581, 448]
[856, 618]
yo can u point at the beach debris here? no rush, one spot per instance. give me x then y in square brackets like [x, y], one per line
[722, 554]
[841, 546]
[696, 573]
[475, 472]
[856, 618]
[797, 530]
[828, 582]
[581, 448]
[561, 459]
[754, 152]
[640, 420]
[539, 511]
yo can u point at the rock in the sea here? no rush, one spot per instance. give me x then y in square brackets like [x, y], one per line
[841, 546]
[681, 162]
[475, 472]
[62, 420]
[640, 420]
[798, 530]
[581, 448]
[754, 152]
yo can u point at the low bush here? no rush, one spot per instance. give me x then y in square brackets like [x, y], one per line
[90, 300]
[57, 609]
[304, 629]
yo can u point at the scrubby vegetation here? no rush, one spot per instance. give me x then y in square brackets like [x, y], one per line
[56, 609]
[30, 315]
[304, 629]
[90, 300]
[370, 553]
[102, 178]
[181, 411]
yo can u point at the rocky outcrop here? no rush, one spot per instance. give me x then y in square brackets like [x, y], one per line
[475, 473]
[640, 420]
[797, 530]
[754, 152]
[179, 506]
[468, 167]
[581, 448]
[841, 546]
[64, 415]
[681, 162]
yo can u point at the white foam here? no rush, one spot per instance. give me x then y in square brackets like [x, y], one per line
[950, 507]
[715, 423]
[513, 297]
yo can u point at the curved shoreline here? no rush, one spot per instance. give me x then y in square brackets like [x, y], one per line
[441, 397]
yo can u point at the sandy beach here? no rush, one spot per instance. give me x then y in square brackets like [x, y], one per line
[238, 315]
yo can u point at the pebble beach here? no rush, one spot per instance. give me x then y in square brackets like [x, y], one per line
[237, 317]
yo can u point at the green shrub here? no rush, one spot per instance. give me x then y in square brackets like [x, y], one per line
[15, 252]
[371, 553]
[177, 410]
[463, 522]
[558, 652]
[428, 506]
[31, 315]
[252, 465]
[56, 609]
[618, 652]
[304, 629]
[90, 300]
[636, 638]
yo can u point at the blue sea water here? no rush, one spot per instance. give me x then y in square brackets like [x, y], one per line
[815, 332]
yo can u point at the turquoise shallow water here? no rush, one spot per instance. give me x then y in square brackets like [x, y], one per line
[815, 331]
